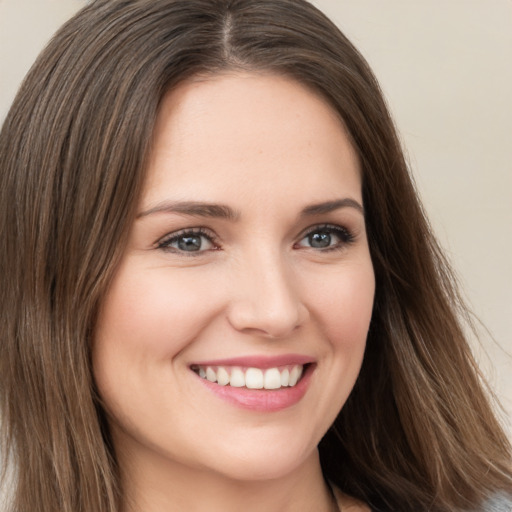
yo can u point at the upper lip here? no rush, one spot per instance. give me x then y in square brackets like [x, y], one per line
[259, 361]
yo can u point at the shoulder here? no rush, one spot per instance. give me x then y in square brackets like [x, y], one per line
[498, 503]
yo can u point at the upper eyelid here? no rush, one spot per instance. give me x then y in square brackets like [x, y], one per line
[195, 230]
[325, 225]
[347, 236]
[180, 232]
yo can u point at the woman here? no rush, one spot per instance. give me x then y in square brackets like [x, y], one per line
[220, 289]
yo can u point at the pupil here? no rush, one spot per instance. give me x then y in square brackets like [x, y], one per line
[190, 243]
[320, 240]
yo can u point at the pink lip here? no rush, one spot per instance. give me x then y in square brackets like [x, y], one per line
[261, 400]
[262, 362]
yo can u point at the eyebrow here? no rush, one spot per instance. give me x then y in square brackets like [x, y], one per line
[221, 211]
[330, 206]
[194, 209]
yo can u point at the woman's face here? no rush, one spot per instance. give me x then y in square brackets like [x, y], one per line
[247, 266]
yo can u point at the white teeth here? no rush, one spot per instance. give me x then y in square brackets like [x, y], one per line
[237, 379]
[211, 375]
[295, 375]
[222, 376]
[272, 379]
[252, 378]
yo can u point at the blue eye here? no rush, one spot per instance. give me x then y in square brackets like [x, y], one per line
[326, 237]
[187, 241]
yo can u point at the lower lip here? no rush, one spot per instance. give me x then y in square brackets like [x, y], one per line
[262, 400]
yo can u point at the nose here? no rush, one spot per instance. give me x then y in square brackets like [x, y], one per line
[265, 299]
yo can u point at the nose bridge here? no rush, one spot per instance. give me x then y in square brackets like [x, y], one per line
[266, 300]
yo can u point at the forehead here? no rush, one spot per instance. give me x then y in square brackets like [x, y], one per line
[248, 134]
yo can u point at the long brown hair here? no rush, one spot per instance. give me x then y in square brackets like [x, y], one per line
[418, 431]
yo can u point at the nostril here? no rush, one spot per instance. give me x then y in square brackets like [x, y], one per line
[276, 321]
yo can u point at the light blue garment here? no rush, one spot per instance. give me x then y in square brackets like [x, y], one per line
[499, 503]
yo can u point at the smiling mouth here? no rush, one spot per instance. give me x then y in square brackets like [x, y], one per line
[252, 378]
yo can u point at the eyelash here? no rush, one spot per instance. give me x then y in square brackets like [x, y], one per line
[345, 236]
[165, 243]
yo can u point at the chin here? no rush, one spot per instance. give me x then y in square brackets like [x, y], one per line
[263, 459]
[260, 469]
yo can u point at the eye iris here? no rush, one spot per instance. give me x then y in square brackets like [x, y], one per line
[320, 239]
[189, 243]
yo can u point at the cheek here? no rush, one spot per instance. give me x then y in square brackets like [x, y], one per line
[343, 305]
[154, 311]
[147, 318]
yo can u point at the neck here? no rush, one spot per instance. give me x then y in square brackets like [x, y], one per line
[166, 486]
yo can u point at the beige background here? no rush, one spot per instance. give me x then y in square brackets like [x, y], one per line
[446, 69]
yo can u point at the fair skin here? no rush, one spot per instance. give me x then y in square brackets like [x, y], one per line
[275, 278]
